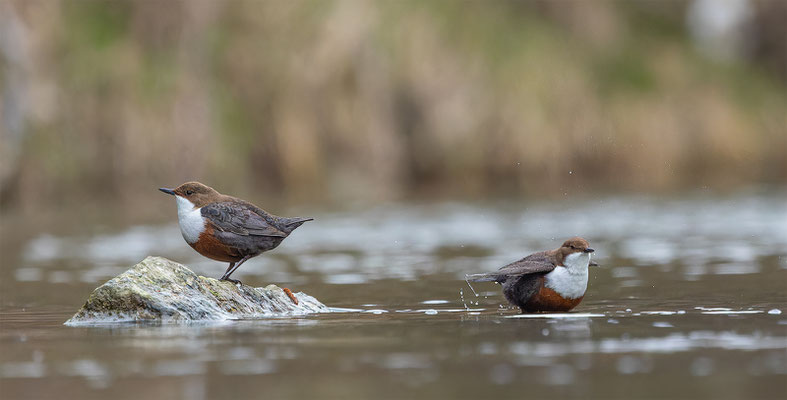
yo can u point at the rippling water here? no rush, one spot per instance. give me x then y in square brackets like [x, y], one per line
[688, 302]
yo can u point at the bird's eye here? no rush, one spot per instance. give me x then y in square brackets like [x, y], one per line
[189, 192]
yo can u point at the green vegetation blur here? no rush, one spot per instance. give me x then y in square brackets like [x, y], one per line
[342, 101]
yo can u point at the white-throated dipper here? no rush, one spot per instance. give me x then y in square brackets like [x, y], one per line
[547, 281]
[225, 228]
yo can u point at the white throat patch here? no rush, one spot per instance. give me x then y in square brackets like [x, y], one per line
[577, 262]
[190, 220]
[571, 280]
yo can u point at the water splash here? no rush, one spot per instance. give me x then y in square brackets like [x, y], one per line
[467, 280]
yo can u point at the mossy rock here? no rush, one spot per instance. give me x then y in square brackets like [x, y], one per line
[158, 289]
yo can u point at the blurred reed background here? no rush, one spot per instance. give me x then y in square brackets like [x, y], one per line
[361, 101]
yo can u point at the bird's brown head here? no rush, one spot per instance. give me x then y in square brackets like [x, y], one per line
[195, 192]
[574, 245]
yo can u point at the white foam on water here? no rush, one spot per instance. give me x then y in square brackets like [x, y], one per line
[435, 302]
[730, 312]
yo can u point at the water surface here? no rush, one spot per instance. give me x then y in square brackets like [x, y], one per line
[689, 302]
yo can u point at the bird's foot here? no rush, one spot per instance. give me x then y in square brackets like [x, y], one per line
[292, 296]
[235, 281]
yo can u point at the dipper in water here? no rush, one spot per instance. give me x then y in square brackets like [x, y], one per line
[546, 281]
[225, 228]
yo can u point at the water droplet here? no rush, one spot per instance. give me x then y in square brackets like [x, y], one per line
[467, 280]
[462, 298]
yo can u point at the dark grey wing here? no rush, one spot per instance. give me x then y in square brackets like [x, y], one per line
[540, 256]
[526, 267]
[240, 219]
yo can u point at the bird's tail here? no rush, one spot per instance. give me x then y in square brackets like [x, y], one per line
[291, 223]
[481, 277]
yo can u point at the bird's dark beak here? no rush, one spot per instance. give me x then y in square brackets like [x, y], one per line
[593, 264]
[167, 191]
[589, 250]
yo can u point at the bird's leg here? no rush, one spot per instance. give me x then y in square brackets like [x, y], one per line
[227, 272]
[231, 269]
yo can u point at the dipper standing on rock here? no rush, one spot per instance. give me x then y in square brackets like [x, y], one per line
[553, 280]
[225, 228]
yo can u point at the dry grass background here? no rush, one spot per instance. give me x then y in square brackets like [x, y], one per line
[368, 101]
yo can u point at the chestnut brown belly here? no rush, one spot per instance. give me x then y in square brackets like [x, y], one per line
[546, 300]
[209, 246]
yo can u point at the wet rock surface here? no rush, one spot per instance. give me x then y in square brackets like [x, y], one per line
[158, 289]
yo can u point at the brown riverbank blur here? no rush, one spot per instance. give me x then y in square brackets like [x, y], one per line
[370, 101]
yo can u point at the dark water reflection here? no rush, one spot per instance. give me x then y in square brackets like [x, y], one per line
[688, 303]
